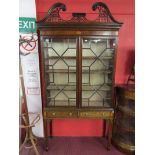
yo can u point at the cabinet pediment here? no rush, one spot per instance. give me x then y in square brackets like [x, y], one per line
[104, 17]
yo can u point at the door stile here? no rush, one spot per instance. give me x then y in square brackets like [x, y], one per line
[79, 73]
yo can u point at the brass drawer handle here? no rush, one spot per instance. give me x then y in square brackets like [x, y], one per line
[53, 113]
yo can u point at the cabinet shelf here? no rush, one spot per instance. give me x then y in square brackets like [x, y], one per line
[73, 87]
[74, 84]
[62, 103]
[96, 103]
[74, 71]
[84, 57]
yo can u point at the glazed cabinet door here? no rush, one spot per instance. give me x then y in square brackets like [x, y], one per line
[60, 70]
[97, 71]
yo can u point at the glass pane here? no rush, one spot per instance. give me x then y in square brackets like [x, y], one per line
[97, 67]
[60, 70]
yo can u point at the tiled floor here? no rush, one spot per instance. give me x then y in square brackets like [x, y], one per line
[74, 146]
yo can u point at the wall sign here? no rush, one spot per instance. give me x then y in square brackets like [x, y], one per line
[27, 24]
[28, 43]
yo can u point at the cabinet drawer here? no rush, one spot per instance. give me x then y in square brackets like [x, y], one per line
[60, 114]
[94, 114]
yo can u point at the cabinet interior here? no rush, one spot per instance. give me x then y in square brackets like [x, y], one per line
[63, 57]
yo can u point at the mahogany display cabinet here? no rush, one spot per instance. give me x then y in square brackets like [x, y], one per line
[77, 65]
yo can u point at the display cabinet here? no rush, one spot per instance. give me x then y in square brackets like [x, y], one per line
[124, 122]
[77, 65]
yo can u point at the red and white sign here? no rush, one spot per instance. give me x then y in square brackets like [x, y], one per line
[28, 44]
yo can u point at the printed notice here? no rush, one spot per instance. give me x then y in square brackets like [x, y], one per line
[31, 74]
[33, 90]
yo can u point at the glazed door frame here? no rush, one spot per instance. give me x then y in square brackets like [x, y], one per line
[78, 64]
[113, 37]
[42, 68]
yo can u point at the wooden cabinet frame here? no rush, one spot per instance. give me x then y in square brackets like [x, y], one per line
[79, 27]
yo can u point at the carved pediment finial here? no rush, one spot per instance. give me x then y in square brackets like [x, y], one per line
[53, 14]
[104, 13]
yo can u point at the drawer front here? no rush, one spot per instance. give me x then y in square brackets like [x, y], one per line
[94, 114]
[60, 114]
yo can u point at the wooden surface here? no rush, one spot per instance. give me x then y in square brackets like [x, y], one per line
[124, 124]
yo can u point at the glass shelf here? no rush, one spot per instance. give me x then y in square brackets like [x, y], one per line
[62, 103]
[74, 71]
[72, 102]
[84, 57]
[95, 103]
[86, 87]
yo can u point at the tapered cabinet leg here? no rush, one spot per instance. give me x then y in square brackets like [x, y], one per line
[51, 134]
[45, 135]
[104, 128]
[110, 133]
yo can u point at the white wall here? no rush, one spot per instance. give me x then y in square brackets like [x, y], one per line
[34, 103]
[27, 8]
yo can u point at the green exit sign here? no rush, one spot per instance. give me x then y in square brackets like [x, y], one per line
[27, 25]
